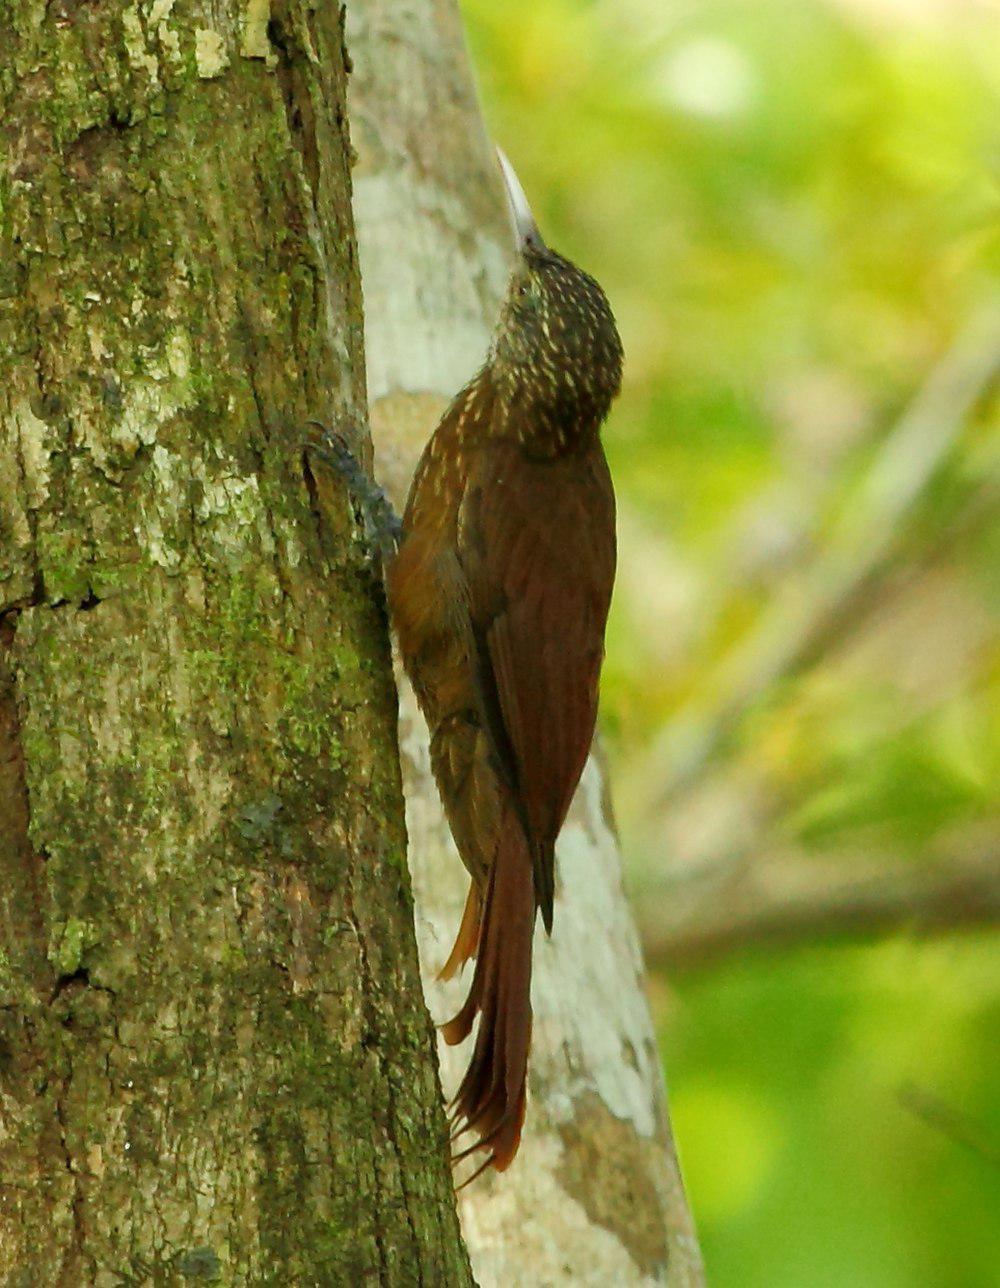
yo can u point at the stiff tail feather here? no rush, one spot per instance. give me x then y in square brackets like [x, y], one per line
[467, 938]
[491, 1098]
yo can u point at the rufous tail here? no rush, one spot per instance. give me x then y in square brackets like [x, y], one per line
[467, 939]
[491, 1099]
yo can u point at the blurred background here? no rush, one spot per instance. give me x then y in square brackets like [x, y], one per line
[795, 209]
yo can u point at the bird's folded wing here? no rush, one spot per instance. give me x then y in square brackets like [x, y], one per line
[537, 543]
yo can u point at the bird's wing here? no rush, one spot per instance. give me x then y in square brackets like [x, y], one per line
[537, 543]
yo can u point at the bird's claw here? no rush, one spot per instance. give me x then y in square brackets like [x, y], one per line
[332, 446]
[381, 524]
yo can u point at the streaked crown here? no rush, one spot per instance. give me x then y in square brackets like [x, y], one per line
[556, 355]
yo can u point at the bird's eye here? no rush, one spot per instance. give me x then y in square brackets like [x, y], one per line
[522, 289]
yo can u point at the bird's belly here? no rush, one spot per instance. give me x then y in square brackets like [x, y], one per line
[432, 627]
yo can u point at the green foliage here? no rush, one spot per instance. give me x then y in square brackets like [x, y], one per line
[794, 209]
[837, 1116]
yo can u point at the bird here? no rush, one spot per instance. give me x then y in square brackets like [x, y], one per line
[499, 581]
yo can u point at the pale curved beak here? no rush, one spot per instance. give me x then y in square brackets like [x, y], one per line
[525, 229]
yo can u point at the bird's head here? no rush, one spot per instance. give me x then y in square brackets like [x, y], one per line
[556, 352]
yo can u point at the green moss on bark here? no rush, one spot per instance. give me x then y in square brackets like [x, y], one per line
[214, 1057]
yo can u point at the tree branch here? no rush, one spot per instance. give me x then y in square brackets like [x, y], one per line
[704, 915]
[809, 613]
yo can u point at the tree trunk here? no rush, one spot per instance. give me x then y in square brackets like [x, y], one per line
[595, 1195]
[214, 1057]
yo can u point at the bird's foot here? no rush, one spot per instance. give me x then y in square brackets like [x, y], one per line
[382, 526]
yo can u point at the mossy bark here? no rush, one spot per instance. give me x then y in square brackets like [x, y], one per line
[214, 1059]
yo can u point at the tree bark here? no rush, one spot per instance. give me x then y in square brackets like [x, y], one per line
[595, 1195]
[214, 1057]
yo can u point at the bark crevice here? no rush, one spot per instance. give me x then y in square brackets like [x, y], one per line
[371, 1039]
[295, 95]
[21, 865]
[76, 1249]
[312, 490]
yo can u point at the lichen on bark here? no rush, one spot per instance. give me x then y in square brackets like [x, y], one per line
[214, 1059]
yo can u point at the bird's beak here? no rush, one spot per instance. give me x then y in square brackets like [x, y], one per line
[525, 229]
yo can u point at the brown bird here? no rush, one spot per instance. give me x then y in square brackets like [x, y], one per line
[499, 595]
